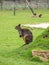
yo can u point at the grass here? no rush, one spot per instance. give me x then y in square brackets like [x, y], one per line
[11, 52]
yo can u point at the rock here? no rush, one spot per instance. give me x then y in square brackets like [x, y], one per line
[43, 54]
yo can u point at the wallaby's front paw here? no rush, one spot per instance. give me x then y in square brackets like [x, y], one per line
[20, 36]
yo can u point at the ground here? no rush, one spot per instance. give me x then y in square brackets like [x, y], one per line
[11, 52]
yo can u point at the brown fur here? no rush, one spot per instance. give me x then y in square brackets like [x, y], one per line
[26, 34]
[27, 38]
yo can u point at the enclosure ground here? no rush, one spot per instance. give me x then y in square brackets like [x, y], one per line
[11, 52]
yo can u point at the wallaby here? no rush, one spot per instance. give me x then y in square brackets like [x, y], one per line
[26, 34]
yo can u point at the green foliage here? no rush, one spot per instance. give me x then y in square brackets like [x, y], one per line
[42, 41]
[11, 50]
[36, 58]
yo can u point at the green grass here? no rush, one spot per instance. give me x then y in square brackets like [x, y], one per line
[11, 52]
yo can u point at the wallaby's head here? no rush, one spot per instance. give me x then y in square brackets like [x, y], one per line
[18, 27]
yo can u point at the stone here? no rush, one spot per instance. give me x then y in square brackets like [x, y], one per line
[43, 54]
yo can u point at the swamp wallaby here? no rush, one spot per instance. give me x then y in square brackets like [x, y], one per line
[26, 34]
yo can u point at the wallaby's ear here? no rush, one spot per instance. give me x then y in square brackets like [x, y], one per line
[19, 24]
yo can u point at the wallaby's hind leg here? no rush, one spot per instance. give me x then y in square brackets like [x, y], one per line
[26, 42]
[28, 38]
